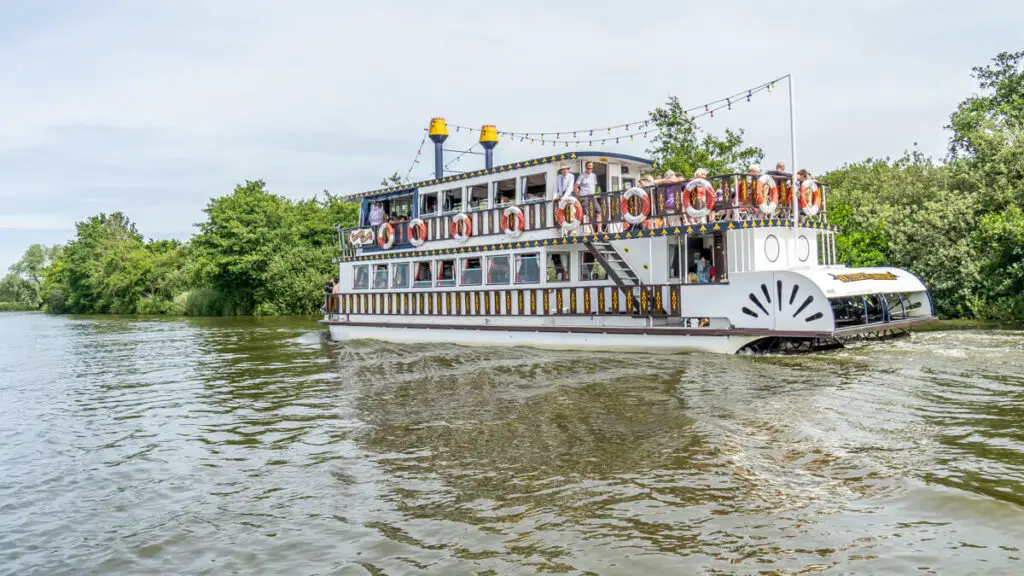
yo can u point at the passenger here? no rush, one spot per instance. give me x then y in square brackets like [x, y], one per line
[377, 216]
[702, 174]
[703, 270]
[691, 278]
[564, 183]
[585, 188]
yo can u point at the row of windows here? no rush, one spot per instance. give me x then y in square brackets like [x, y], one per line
[532, 187]
[476, 271]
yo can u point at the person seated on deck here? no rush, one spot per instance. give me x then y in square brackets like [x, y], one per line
[703, 270]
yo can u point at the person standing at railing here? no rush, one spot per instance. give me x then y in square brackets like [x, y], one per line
[376, 216]
[586, 186]
[564, 183]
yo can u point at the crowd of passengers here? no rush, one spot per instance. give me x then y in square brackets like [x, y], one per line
[667, 189]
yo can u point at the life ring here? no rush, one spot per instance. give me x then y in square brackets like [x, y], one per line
[810, 197]
[645, 208]
[420, 227]
[461, 233]
[577, 213]
[766, 195]
[699, 197]
[513, 230]
[385, 236]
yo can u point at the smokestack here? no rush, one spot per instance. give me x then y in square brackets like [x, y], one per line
[438, 134]
[488, 139]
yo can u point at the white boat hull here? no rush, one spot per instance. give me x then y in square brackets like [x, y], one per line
[639, 342]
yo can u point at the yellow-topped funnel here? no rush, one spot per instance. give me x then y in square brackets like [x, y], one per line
[438, 129]
[489, 139]
[438, 133]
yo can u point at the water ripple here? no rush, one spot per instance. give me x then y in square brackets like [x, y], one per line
[246, 445]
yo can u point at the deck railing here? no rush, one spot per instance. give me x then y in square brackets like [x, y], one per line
[654, 300]
[734, 201]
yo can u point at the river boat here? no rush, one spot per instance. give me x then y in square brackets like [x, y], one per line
[493, 257]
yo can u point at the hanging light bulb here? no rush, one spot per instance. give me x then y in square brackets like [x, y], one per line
[591, 132]
[558, 136]
[705, 107]
[627, 127]
[573, 134]
[616, 140]
[748, 95]
[712, 113]
[728, 101]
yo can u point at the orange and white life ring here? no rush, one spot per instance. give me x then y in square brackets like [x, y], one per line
[810, 197]
[565, 205]
[766, 195]
[417, 232]
[385, 236]
[461, 227]
[513, 227]
[698, 197]
[645, 205]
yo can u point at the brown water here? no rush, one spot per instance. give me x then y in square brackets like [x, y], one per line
[247, 446]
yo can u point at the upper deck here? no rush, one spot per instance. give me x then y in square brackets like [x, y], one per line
[483, 196]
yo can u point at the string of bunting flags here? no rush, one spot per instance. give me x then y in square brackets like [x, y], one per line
[630, 130]
[416, 159]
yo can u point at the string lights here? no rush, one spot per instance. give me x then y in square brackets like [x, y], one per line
[641, 128]
[706, 109]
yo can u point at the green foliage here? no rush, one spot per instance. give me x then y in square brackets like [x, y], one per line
[959, 226]
[394, 180]
[678, 147]
[21, 287]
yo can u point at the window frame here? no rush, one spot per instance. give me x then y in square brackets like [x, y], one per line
[355, 277]
[439, 266]
[517, 258]
[373, 276]
[394, 273]
[487, 264]
[584, 277]
[567, 265]
[462, 270]
[421, 284]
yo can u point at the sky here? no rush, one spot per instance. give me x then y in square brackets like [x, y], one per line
[152, 108]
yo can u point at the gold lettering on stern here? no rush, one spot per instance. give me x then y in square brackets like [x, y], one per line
[859, 276]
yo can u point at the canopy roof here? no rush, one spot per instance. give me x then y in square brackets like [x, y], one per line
[497, 169]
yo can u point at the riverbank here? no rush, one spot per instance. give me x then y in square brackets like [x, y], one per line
[967, 324]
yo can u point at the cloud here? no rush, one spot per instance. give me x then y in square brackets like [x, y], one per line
[152, 108]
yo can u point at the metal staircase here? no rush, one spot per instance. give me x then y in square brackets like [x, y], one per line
[617, 268]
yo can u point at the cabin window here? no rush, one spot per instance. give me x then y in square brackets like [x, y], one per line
[527, 268]
[591, 269]
[380, 276]
[505, 192]
[422, 278]
[446, 273]
[452, 200]
[673, 259]
[497, 270]
[400, 275]
[428, 204]
[360, 277]
[472, 273]
[559, 267]
[478, 196]
[400, 207]
[535, 187]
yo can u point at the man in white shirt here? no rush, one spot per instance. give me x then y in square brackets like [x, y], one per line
[586, 186]
[564, 183]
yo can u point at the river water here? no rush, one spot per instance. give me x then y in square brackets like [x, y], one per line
[133, 446]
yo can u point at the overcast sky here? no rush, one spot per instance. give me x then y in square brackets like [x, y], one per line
[154, 107]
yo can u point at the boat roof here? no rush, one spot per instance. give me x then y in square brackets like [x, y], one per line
[497, 169]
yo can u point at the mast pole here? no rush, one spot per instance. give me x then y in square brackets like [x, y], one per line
[792, 148]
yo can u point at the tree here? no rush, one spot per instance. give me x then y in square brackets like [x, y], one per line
[678, 146]
[999, 107]
[394, 180]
